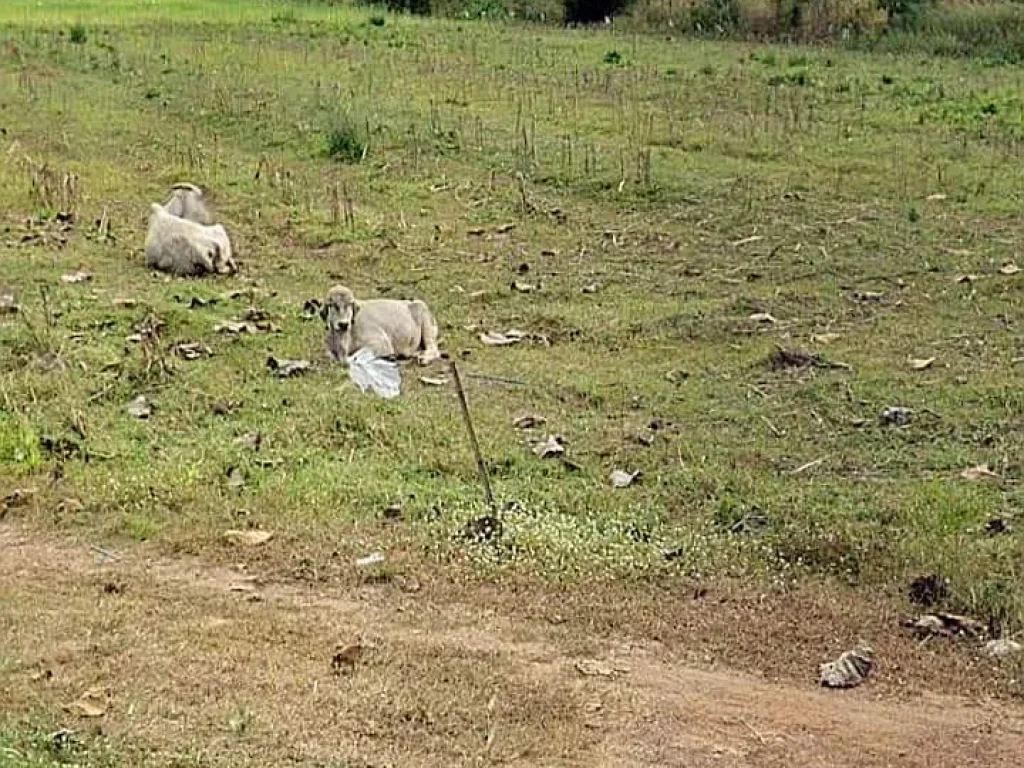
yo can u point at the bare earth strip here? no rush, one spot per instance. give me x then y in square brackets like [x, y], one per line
[200, 662]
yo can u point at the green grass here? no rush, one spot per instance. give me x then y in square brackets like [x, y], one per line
[698, 184]
[35, 748]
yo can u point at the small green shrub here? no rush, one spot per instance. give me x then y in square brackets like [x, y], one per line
[347, 142]
[906, 13]
[715, 16]
[993, 32]
[287, 16]
[417, 7]
[77, 34]
[19, 444]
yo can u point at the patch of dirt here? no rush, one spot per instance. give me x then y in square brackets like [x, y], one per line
[202, 658]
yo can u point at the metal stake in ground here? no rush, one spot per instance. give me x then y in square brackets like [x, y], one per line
[464, 407]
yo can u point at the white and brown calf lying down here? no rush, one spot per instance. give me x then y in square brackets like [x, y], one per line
[188, 202]
[390, 328]
[181, 239]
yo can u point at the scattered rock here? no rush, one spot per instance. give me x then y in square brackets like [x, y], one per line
[824, 338]
[60, 447]
[529, 421]
[255, 315]
[191, 350]
[782, 358]
[434, 381]
[849, 670]
[928, 590]
[502, 339]
[926, 625]
[763, 317]
[235, 327]
[896, 415]
[1002, 647]
[867, 296]
[752, 522]
[150, 325]
[512, 336]
[966, 279]
[921, 364]
[69, 506]
[622, 479]
[980, 472]
[92, 703]
[80, 276]
[236, 478]
[124, 303]
[591, 288]
[19, 497]
[8, 304]
[646, 439]
[552, 447]
[249, 538]
[1009, 268]
[311, 309]
[141, 407]
[374, 558]
[284, 369]
[483, 528]
[947, 625]
[522, 287]
[998, 525]
[595, 668]
[250, 440]
[221, 408]
[345, 658]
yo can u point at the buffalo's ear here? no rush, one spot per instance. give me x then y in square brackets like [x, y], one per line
[323, 313]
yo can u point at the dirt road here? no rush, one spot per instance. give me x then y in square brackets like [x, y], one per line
[190, 661]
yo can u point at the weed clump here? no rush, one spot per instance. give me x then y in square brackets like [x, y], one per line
[19, 444]
[416, 7]
[722, 16]
[905, 13]
[347, 142]
[77, 34]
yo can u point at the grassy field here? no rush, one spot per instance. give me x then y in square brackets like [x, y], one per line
[729, 257]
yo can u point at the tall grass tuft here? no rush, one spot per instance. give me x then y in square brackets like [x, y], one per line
[347, 141]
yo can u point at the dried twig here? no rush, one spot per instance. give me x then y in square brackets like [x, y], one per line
[808, 465]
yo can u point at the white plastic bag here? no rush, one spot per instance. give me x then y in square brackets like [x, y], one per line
[371, 372]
